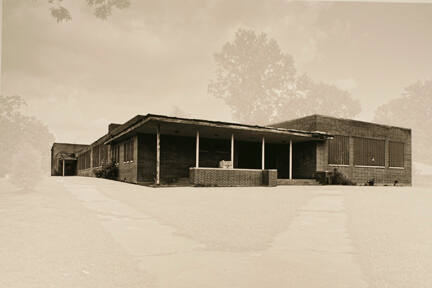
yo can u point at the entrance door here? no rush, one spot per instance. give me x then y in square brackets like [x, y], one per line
[304, 160]
[277, 157]
[70, 167]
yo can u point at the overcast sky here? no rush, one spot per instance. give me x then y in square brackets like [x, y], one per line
[81, 75]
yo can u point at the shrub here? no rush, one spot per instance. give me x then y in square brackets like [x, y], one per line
[337, 178]
[107, 171]
[370, 182]
[321, 177]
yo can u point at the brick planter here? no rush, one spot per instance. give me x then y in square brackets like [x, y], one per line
[232, 177]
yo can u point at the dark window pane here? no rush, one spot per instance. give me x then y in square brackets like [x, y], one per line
[339, 150]
[396, 154]
[369, 152]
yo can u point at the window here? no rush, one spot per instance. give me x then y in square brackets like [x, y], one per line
[103, 154]
[369, 152]
[80, 162]
[87, 159]
[99, 155]
[115, 154]
[128, 148]
[396, 154]
[338, 152]
[96, 159]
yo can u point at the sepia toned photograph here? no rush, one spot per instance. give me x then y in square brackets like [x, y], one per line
[215, 143]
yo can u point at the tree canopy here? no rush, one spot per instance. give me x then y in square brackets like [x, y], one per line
[101, 8]
[412, 110]
[22, 137]
[259, 82]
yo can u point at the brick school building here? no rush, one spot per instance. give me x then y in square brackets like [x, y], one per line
[157, 149]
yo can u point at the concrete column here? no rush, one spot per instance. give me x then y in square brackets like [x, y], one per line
[386, 153]
[158, 155]
[91, 158]
[232, 150]
[197, 150]
[263, 154]
[63, 167]
[290, 161]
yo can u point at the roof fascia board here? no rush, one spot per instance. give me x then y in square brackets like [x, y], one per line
[233, 126]
[136, 125]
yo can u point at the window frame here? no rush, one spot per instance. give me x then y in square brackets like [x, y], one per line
[128, 151]
[390, 154]
[343, 157]
[368, 148]
[115, 154]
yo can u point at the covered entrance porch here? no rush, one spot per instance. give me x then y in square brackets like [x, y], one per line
[66, 163]
[210, 153]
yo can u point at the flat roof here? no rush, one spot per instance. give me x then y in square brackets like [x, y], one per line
[341, 119]
[140, 120]
[69, 144]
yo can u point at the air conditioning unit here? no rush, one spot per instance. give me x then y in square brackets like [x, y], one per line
[225, 164]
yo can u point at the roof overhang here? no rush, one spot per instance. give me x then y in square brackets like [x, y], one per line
[65, 156]
[212, 129]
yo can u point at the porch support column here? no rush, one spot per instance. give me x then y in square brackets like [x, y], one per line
[197, 150]
[290, 161]
[63, 167]
[263, 154]
[158, 155]
[232, 150]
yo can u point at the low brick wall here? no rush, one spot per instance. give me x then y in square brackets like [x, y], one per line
[269, 177]
[232, 177]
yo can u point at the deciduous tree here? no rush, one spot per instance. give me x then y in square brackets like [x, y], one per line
[253, 76]
[324, 98]
[414, 110]
[101, 8]
[22, 137]
[258, 81]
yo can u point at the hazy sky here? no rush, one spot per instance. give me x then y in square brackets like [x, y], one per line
[81, 75]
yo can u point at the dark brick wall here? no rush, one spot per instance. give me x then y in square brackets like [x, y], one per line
[128, 170]
[146, 157]
[277, 157]
[355, 128]
[232, 177]
[177, 155]
[270, 177]
[304, 160]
